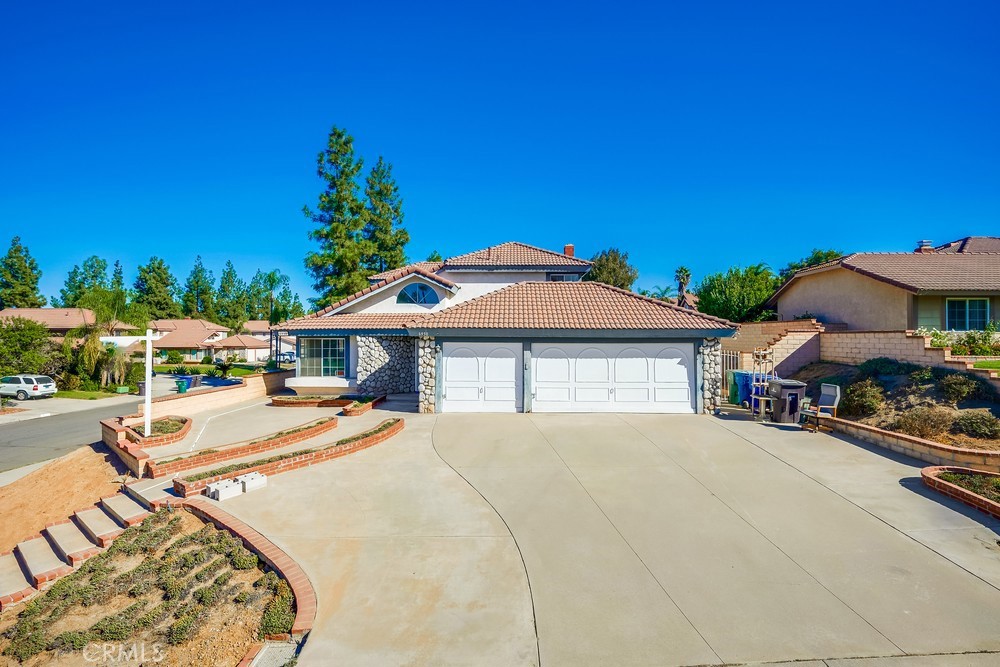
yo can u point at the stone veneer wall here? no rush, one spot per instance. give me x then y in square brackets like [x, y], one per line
[710, 353]
[427, 370]
[385, 364]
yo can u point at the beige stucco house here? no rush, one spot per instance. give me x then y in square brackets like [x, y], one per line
[954, 287]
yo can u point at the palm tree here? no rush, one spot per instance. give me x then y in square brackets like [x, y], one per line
[662, 293]
[111, 309]
[683, 277]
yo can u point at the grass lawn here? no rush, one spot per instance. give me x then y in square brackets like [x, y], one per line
[84, 395]
[992, 365]
[236, 371]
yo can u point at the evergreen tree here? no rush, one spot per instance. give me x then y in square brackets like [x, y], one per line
[738, 295]
[612, 268]
[435, 256]
[339, 218]
[386, 238]
[91, 275]
[817, 256]
[19, 277]
[118, 278]
[232, 301]
[289, 306]
[156, 290]
[198, 299]
[296, 309]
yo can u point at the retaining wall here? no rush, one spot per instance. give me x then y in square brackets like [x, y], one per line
[250, 387]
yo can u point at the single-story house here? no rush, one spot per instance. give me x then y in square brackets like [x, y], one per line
[192, 338]
[954, 287]
[262, 329]
[249, 348]
[60, 321]
[511, 328]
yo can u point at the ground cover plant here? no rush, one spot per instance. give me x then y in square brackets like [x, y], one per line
[161, 426]
[292, 431]
[235, 467]
[983, 485]
[170, 580]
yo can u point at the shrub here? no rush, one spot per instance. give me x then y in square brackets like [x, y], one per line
[207, 359]
[180, 370]
[278, 615]
[183, 628]
[885, 366]
[863, 399]
[69, 382]
[242, 598]
[242, 559]
[174, 357]
[958, 387]
[978, 424]
[89, 384]
[924, 422]
[922, 376]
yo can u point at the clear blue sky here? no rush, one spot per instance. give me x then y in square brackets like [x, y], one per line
[702, 133]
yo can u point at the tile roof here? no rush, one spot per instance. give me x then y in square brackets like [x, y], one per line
[241, 341]
[513, 254]
[257, 326]
[971, 244]
[186, 323]
[430, 267]
[917, 272]
[59, 318]
[358, 321]
[567, 305]
[398, 275]
[185, 334]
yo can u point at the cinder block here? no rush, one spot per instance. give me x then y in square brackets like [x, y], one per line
[252, 481]
[223, 489]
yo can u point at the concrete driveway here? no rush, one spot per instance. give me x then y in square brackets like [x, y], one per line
[632, 540]
[674, 540]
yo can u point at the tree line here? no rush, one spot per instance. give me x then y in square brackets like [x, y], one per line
[155, 294]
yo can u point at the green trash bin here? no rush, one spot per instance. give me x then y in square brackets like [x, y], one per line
[734, 391]
[182, 387]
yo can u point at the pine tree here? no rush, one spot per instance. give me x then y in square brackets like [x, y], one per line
[198, 299]
[231, 301]
[296, 309]
[91, 275]
[156, 290]
[383, 216]
[435, 256]
[118, 278]
[19, 277]
[339, 218]
[289, 306]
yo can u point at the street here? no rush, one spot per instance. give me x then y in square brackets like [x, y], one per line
[35, 440]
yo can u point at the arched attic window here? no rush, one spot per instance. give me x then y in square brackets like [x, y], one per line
[417, 293]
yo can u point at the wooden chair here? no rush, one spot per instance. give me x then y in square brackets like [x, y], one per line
[829, 399]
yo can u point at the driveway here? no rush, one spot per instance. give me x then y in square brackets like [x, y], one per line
[631, 540]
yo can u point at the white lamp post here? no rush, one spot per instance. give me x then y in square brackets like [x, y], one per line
[148, 408]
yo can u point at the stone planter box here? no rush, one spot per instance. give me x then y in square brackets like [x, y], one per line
[163, 469]
[931, 479]
[187, 489]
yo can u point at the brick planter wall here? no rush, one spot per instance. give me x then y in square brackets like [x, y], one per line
[155, 440]
[289, 402]
[361, 408]
[186, 489]
[248, 388]
[201, 461]
[935, 453]
[931, 479]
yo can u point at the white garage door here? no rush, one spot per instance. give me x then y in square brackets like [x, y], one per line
[613, 377]
[482, 377]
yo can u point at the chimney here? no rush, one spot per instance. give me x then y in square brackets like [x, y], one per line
[568, 249]
[924, 247]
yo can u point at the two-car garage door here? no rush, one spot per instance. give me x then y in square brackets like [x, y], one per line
[570, 377]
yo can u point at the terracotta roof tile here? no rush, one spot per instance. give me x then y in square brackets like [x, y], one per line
[359, 321]
[513, 254]
[398, 275]
[430, 267]
[241, 341]
[59, 318]
[971, 244]
[565, 306]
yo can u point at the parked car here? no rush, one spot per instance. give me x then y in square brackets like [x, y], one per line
[23, 387]
[286, 357]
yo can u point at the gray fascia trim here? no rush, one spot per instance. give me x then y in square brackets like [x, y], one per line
[582, 334]
[531, 268]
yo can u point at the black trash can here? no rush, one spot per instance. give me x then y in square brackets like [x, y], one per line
[142, 388]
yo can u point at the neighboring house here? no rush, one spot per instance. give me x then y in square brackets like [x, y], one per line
[507, 329]
[243, 346]
[193, 339]
[60, 321]
[955, 286]
[262, 329]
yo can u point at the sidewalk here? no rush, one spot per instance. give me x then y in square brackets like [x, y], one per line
[47, 407]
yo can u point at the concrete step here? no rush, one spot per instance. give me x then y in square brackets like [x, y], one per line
[14, 585]
[153, 494]
[71, 544]
[125, 509]
[98, 525]
[40, 561]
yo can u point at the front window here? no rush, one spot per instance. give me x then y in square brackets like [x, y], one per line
[418, 293]
[564, 277]
[323, 357]
[967, 314]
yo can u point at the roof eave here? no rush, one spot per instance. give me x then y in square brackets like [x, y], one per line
[504, 332]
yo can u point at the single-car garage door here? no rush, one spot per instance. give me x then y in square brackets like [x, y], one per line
[613, 377]
[482, 377]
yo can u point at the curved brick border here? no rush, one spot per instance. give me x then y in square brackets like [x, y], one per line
[291, 402]
[278, 560]
[931, 479]
[263, 445]
[156, 440]
[361, 408]
[186, 489]
[932, 452]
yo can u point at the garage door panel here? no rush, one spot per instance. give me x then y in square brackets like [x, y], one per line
[494, 394]
[501, 366]
[609, 377]
[482, 377]
[462, 366]
[462, 393]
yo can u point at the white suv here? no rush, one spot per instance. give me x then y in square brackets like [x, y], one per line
[24, 387]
